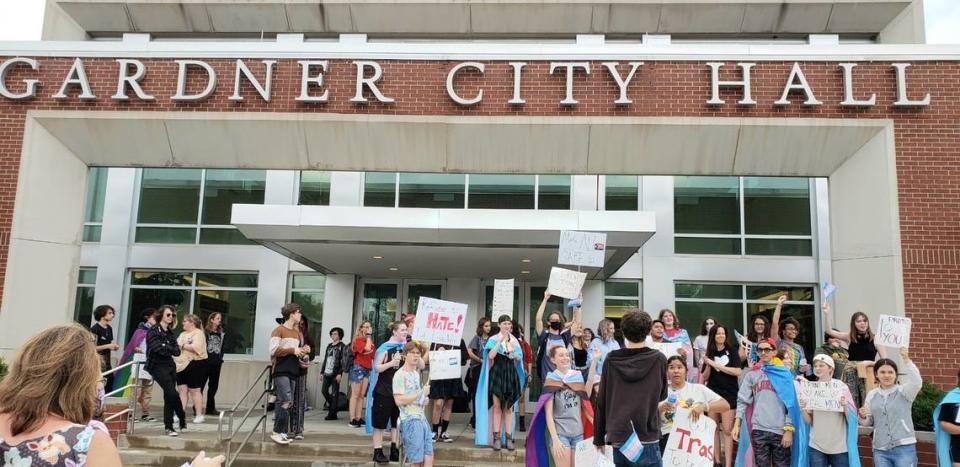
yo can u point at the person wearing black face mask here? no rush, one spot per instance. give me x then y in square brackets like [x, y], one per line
[557, 334]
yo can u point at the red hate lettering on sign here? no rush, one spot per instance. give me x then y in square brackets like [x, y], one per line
[439, 322]
[693, 445]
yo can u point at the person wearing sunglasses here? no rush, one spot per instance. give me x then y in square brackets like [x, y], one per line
[162, 346]
[768, 391]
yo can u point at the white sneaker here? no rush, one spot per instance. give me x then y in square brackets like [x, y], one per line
[280, 438]
[198, 419]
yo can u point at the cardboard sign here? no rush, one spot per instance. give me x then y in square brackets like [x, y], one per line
[893, 331]
[566, 283]
[586, 455]
[822, 396]
[668, 349]
[439, 321]
[502, 297]
[582, 248]
[690, 444]
[444, 364]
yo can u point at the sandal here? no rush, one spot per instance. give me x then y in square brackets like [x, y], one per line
[496, 441]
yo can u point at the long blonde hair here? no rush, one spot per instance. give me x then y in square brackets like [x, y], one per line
[55, 372]
[359, 331]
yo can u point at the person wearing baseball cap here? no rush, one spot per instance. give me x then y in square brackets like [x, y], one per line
[831, 433]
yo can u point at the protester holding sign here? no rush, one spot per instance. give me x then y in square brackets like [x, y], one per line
[499, 388]
[862, 351]
[832, 434]
[673, 333]
[554, 335]
[721, 369]
[946, 423]
[696, 398]
[788, 331]
[563, 416]
[888, 409]
[442, 393]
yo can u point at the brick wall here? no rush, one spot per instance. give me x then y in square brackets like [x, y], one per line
[926, 138]
[119, 424]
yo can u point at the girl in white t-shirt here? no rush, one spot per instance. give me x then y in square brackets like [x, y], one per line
[696, 398]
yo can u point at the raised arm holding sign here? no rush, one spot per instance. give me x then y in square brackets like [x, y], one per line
[566, 283]
[893, 331]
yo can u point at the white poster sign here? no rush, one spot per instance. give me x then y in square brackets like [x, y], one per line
[502, 297]
[586, 455]
[893, 331]
[439, 321]
[822, 396]
[565, 283]
[668, 349]
[444, 364]
[690, 444]
[582, 248]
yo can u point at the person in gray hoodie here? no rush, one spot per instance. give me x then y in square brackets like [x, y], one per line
[771, 430]
[633, 382]
[888, 409]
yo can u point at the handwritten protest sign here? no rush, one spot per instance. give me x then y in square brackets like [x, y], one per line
[586, 455]
[893, 331]
[439, 321]
[582, 248]
[444, 364]
[502, 297]
[566, 283]
[690, 444]
[668, 349]
[822, 396]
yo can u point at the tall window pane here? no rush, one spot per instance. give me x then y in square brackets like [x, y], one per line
[622, 192]
[692, 315]
[379, 189]
[706, 205]
[307, 291]
[776, 206]
[83, 304]
[422, 190]
[314, 188]
[143, 298]
[169, 196]
[93, 209]
[239, 310]
[804, 314]
[501, 192]
[224, 188]
[554, 192]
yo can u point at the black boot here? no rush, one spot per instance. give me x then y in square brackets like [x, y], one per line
[394, 453]
[522, 423]
[379, 458]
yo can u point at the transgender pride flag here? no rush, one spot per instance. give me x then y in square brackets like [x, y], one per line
[632, 447]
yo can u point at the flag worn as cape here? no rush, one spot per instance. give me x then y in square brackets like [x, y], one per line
[385, 347]
[125, 376]
[942, 438]
[483, 402]
[782, 381]
[683, 339]
[538, 436]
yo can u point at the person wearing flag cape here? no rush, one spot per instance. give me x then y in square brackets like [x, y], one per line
[136, 349]
[832, 435]
[768, 414]
[563, 416]
[498, 388]
[382, 412]
[946, 425]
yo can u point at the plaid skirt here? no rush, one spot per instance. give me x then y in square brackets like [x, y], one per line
[504, 380]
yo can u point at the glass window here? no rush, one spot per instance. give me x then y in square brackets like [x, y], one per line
[707, 245]
[314, 188]
[776, 206]
[706, 205]
[722, 291]
[380, 189]
[415, 291]
[380, 306]
[553, 192]
[423, 190]
[83, 303]
[622, 193]
[169, 196]
[93, 208]
[224, 188]
[619, 298]
[233, 295]
[692, 314]
[307, 291]
[501, 192]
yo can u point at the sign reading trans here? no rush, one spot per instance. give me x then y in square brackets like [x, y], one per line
[582, 248]
[439, 321]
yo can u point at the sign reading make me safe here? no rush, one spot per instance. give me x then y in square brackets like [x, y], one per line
[582, 248]
[893, 331]
[439, 321]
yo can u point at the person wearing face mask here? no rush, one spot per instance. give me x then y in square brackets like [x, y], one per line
[556, 333]
[888, 410]
[831, 434]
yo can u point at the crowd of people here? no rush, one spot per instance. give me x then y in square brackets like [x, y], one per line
[622, 389]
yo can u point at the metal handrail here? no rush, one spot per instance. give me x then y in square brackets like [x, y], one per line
[134, 392]
[225, 441]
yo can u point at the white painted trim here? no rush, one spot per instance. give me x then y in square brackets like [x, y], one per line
[420, 50]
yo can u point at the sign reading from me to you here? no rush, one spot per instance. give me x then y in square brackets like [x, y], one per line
[439, 321]
[893, 331]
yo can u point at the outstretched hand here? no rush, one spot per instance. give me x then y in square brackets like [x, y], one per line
[203, 461]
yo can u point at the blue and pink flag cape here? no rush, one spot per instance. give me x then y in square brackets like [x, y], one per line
[483, 402]
[385, 347]
[125, 376]
[683, 338]
[538, 436]
[942, 438]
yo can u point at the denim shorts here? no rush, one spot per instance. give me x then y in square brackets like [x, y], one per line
[357, 373]
[570, 441]
[417, 439]
[900, 456]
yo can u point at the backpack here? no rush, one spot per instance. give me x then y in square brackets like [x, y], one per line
[541, 346]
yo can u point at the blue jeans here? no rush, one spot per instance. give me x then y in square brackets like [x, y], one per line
[649, 458]
[283, 387]
[819, 459]
[900, 456]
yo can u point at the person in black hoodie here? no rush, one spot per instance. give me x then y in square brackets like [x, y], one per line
[333, 367]
[633, 382]
[162, 346]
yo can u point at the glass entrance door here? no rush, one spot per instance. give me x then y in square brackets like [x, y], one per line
[379, 304]
[415, 290]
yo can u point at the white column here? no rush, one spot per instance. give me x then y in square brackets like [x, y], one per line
[657, 254]
[584, 192]
[119, 214]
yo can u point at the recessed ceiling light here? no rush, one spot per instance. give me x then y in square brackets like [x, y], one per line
[378, 257]
[394, 269]
[525, 260]
[524, 272]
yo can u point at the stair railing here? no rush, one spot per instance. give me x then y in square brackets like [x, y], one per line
[226, 441]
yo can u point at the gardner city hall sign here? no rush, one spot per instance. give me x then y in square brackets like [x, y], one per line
[368, 75]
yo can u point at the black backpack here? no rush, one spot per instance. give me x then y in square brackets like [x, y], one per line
[541, 345]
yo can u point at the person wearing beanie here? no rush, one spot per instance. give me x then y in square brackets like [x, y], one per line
[831, 433]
